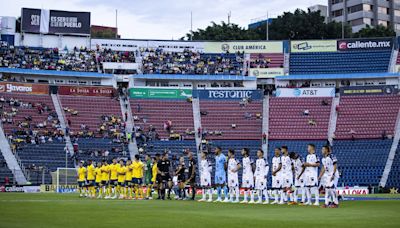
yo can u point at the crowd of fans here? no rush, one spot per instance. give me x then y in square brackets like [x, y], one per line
[78, 59]
[157, 61]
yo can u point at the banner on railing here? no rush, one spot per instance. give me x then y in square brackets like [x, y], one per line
[159, 93]
[364, 44]
[369, 90]
[24, 88]
[244, 46]
[305, 92]
[313, 46]
[103, 91]
[228, 94]
[266, 72]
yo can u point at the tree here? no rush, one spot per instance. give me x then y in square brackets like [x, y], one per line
[222, 31]
[377, 31]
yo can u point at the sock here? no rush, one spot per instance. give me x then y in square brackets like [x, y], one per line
[203, 194]
[308, 193]
[184, 192]
[296, 195]
[276, 195]
[251, 195]
[266, 196]
[148, 191]
[231, 194]
[179, 193]
[219, 192]
[226, 192]
[281, 193]
[245, 195]
[210, 192]
[316, 193]
[237, 192]
[327, 194]
[303, 194]
[169, 192]
[334, 196]
[259, 195]
[193, 192]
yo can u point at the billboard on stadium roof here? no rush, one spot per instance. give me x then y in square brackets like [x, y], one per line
[244, 46]
[299, 46]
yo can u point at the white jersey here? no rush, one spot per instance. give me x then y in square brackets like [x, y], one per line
[262, 168]
[327, 162]
[205, 173]
[276, 161]
[233, 178]
[247, 177]
[312, 171]
[286, 165]
[298, 167]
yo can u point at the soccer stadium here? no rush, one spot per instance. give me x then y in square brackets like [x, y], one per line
[239, 131]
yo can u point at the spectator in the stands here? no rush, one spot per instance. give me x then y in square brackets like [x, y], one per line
[306, 112]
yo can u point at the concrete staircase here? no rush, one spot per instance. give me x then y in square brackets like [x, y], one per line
[333, 119]
[64, 125]
[392, 153]
[126, 107]
[13, 163]
[265, 124]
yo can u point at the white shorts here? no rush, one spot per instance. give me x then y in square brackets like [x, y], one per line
[261, 183]
[205, 180]
[276, 182]
[328, 182]
[247, 181]
[311, 181]
[287, 180]
[233, 181]
[299, 183]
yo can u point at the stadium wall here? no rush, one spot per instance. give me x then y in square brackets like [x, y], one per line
[51, 41]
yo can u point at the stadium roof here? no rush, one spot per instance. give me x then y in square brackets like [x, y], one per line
[337, 76]
[54, 73]
[196, 77]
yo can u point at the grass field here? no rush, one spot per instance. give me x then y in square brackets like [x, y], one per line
[67, 210]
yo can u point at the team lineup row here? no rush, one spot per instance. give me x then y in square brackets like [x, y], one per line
[291, 177]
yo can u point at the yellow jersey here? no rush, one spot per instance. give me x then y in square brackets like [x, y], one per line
[154, 172]
[99, 175]
[128, 175]
[113, 171]
[90, 172]
[105, 175]
[81, 173]
[137, 171]
[121, 174]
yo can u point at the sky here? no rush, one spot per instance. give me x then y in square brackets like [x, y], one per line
[163, 19]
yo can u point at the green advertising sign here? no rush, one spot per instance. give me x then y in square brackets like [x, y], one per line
[158, 93]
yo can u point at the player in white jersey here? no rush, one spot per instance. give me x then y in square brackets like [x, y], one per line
[287, 174]
[298, 180]
[310, 170]
[233, 178]
[205, 177]
[260, 176]
[329, 171]
[247, 176]
[276, 175]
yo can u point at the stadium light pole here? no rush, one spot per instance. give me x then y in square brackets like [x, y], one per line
[191, 25]
[267, 28]
[116, 23]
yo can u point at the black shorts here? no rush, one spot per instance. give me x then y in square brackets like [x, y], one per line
[158, 179]
[122, 184]
[81, 183]
[104, 183]
[128, 183]
[181, 178]
[113, 183]
[97, 184]
[137, 181]
[166, 178]
[90, 183]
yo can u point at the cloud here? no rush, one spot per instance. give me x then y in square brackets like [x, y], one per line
[163, 19]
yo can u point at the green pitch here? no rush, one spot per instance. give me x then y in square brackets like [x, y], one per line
[57, 210]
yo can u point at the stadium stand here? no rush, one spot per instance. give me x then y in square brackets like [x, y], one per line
[220, 116]
[287, 118]
[44, 158]
[268, 60]
[5, 172]
[394, 180]
[95, 116]
[156, 113]
[340, 62]
[157, 61]
[364, 117]
[98, 149]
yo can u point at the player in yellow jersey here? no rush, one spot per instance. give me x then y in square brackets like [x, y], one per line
[137, 176]
[105, 179]
[113, 177]
[81, 179]
[154, 175]
[90, 179]
[128, 179]
[98, 179]
[121, 179]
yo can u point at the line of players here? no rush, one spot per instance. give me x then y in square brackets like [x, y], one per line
[290, 177]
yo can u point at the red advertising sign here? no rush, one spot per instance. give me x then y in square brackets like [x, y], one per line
[103, 91]
[24, 88]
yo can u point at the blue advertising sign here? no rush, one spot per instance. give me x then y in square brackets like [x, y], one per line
[219, 94]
